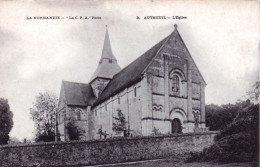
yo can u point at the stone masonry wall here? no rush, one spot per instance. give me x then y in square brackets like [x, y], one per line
[128, 102]
[174, 59]
[103, 151]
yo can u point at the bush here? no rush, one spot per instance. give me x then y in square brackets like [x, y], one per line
[218, 117]
[238, 142]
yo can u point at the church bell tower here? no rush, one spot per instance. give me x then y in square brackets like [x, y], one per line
[106, 69]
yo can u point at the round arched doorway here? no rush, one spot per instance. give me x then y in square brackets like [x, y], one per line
[176, 126]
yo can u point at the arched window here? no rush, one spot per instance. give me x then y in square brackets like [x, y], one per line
[78, 113]
[61, 117]
[58, 118]
[176, 85]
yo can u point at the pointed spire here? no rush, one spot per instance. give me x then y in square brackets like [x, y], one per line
[107, 51]
[175, 26]
[107, 66]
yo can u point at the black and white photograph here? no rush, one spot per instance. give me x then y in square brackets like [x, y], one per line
[129, 83]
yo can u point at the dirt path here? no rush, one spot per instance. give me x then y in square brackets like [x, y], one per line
[169, 163]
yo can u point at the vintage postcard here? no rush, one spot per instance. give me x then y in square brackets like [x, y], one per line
[129, 83]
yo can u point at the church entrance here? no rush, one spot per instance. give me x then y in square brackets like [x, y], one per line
[176, 126]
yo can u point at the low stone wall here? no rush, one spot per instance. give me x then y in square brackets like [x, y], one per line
[103, 151]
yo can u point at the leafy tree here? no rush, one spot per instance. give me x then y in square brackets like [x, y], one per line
[237, 142]
[218, 117]
[120, 122]
[43, 115]
[6, 121]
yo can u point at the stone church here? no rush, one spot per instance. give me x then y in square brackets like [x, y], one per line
[161, 92]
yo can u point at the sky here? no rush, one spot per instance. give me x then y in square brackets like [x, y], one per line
[36, 55]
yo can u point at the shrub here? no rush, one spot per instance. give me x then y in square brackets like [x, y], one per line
[238, 142]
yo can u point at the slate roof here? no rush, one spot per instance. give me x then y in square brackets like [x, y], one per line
[107, 50]
[108, 65]
[81, 94]
[106, 69]
[130, 74]
[78, 94]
